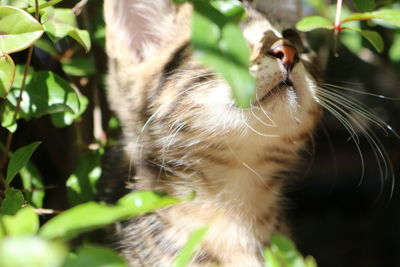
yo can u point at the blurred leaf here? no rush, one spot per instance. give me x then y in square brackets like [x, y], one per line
[389, 16]
[19, 75]
[313, 22]
[95, 256]
[19, 159]
[46, 93]
[352, 40]
[44, 5]
[25, 222]
[186, 254]
[364, 5]
[12, 202]
[394, 52]
[7, 73]
[81, 67]
[31, 251]
[18, 30]
[31, 178]
[15, 3]
[219, 44]
[46, 45]
[81, 185]
[62, 23]
[232, 9]
[283, 252]
[270, 259]
[7, 117]
[91, 215]
[319, 5]
[373, 37]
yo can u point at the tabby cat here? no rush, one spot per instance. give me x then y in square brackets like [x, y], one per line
[182, 131]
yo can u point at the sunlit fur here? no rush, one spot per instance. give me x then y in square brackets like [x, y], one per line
[182, 132]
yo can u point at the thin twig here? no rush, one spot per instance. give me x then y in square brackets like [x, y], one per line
[337, 25]
[32, 189]
[77, 9]
[47, 211]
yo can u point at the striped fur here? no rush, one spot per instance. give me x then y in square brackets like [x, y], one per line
[182, 132]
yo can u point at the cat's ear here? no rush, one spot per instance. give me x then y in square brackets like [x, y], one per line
[287, 11]
[136, 28]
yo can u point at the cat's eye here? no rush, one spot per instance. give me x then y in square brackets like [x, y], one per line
[294, 37]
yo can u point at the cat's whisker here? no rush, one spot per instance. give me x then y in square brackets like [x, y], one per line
[334, 99]
[356, 107]
[254, 130]
[348, 127]
[361, 92]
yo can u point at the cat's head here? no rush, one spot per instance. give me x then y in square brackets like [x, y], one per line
[152, 65]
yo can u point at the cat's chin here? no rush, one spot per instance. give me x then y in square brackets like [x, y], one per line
[276, 91]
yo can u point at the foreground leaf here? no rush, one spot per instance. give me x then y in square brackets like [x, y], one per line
[12, 202]
[19, 159]
[95, 256]
[220, 45]
[7, 73]
[25, 222]
[91, 215]
[18, 30]
[188, 251]
[31, 251]
[312, 23]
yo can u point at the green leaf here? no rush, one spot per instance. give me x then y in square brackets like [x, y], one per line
[81, 185]
[7, 117]
[91, 215]
[312, 23]
[15, 3]
[270, 259]
[394, 52]
[95, 256]
[62, 119]
[186, 254]
[218, 43]
[25, 222]
[18, 30]
[373, 37]
[7, 73]
[31, 178]
[364, 5]
[62, 23]
[81, 67]
[19, 159]
[31, 251]
[232, 9]
[44, 5]
[46, 93]
[390, 16]
[12, 202]
[46, 45]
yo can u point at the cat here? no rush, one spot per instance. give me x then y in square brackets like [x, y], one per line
[182, 131]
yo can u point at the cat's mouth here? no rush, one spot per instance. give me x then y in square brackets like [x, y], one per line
[277, 90]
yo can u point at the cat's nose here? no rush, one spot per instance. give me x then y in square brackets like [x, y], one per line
[286, 52]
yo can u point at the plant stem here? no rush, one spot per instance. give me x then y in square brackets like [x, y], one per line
[337, 25]
[7, 148]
